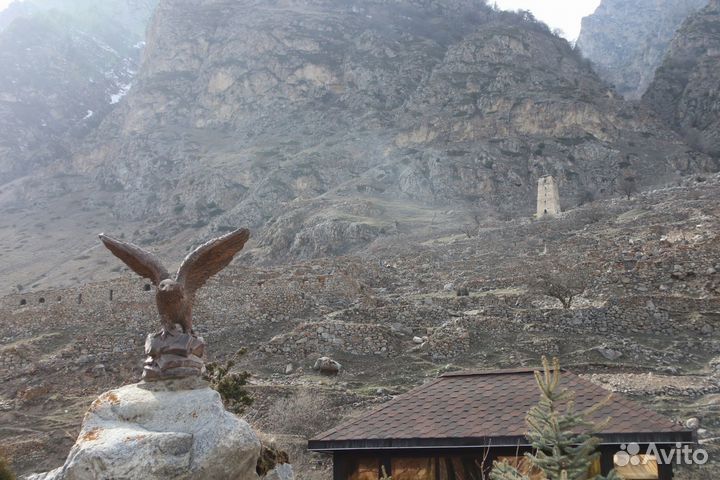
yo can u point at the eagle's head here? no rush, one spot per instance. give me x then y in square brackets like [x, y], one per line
[169, 286]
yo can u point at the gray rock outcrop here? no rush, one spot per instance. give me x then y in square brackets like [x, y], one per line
[685, 90]
[330, 126]
[171, 429]
[626, 40]
[466, 107]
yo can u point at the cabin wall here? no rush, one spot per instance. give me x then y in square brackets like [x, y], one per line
[437, 461]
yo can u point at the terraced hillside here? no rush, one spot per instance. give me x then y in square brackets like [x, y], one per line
[647, 324]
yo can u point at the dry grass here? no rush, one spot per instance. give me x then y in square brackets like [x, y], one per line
[304, 414]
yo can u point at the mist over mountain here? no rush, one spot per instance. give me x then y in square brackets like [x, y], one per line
[66, 64]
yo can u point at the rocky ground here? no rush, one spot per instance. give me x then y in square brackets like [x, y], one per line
[647, 325]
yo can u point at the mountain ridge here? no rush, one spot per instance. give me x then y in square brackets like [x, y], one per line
[328, 134]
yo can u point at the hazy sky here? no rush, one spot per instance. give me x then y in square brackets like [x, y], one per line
[562, 14]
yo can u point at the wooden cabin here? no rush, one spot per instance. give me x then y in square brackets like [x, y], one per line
[456, 426]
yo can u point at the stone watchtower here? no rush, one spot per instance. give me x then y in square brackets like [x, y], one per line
[548, 200]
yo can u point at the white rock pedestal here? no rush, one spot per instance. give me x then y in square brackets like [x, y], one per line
[171, 429]
[281, 472]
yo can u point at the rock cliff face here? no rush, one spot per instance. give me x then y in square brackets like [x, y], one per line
[325, 125]
[626, 40]
[65, 66]
[686, 92]
[286, 113]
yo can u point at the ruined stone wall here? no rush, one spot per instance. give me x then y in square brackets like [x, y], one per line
[61, 331]
[450, 339]
[103, 293]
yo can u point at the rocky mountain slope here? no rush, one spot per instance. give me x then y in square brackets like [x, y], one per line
[13, 11]
[686, 92]
[66, 64]
[327, 126]
[646, 326]
[385, 154]
[627, 40]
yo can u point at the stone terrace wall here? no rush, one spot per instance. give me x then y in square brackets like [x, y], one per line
[450, 339]
[329, 337]
[659, 316]
[428, 311]
[40, 335]
[78, 327]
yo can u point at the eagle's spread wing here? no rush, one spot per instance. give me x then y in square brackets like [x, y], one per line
[140, 261]
[209, 259]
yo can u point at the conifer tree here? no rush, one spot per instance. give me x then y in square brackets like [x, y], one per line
[562, 439]
[5, 472]
[230, 385]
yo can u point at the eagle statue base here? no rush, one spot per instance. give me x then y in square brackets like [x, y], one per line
[172, 355]
[178, 429]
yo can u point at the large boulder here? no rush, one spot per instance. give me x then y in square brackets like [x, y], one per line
[160, 430]
[327, 366]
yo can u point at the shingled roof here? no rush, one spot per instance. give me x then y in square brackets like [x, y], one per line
[488, 408]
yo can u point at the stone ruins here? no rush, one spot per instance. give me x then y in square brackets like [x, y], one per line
[548, 202]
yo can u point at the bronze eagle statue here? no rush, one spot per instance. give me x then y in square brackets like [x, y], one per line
[175, 297]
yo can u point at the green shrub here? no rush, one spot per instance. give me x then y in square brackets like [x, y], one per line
[230, 385]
